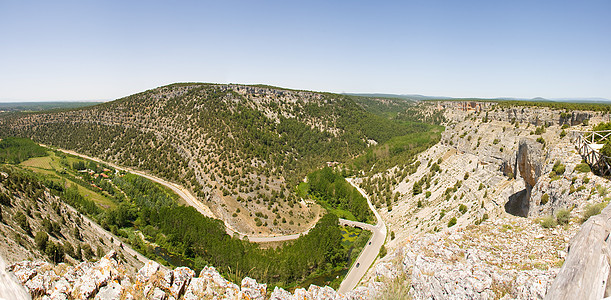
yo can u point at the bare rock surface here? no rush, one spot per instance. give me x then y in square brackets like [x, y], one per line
[585, 274]
[108, 279]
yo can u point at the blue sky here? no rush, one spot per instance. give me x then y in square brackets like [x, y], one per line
[86, 50]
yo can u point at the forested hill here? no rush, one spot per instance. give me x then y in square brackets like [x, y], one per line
[241, 149]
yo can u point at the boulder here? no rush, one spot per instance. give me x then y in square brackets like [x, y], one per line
[280, 294]
[145, 273]
[585, 272]
[250, 289]
[111, 291]
[182, 277]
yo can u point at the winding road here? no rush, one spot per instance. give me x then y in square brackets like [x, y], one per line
[371, 250]
[364, 261]
[191, 200]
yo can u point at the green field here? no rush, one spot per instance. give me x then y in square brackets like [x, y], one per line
[51, 168]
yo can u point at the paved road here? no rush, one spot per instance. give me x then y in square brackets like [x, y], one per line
[371, 250]
[365, 259]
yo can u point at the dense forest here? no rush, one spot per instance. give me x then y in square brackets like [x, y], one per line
[152, 210]
[15, 150]
[330, 188]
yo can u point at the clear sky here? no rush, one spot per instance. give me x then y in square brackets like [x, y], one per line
[86, 50]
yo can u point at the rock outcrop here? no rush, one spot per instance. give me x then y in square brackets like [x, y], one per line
[528, 165]
[108, 279]
[585, 273]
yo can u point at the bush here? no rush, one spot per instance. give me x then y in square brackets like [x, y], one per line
[41, 240]
[563, 216]
[544, 199]
[462, 208]
[558, 168]
[5, 199]
[562, 133]
[541, 140]
[592, 210]
[55, 252]
[382, 251]
[582, 168]
[22, 221]
[548, 222]
[452, 222]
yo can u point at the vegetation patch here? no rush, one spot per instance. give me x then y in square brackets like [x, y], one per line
[14, 150]
[332, 189]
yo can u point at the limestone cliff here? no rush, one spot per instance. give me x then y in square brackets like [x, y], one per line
[108, 279]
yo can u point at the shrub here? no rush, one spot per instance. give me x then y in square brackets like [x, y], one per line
[582, 168]
[392, 235]
[5, 199]
[544, 199]
[592, 210]
[55, 252]
[427, 194]
[41, 240]
[382, 251]
[452, 222]
[541, 140]
[462, 208]
[22, 221]
[563, 216]
[558, 168]
[562, 133]
[548, 222]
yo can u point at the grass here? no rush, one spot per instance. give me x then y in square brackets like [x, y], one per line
[302, 189]
[592, 210]
[341, 213]
[48, 167]
[98, 198]
[548, 222]
[396, 288]
[39, 162]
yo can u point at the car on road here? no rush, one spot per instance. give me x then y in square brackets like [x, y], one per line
[369, 243]
[357, 264]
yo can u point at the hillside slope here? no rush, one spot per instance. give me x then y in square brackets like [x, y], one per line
[241, 149]
[489, 211]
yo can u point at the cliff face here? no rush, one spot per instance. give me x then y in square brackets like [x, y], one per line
[465, 234]
[528, 165]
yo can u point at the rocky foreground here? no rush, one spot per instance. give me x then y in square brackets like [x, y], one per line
[107, 279]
